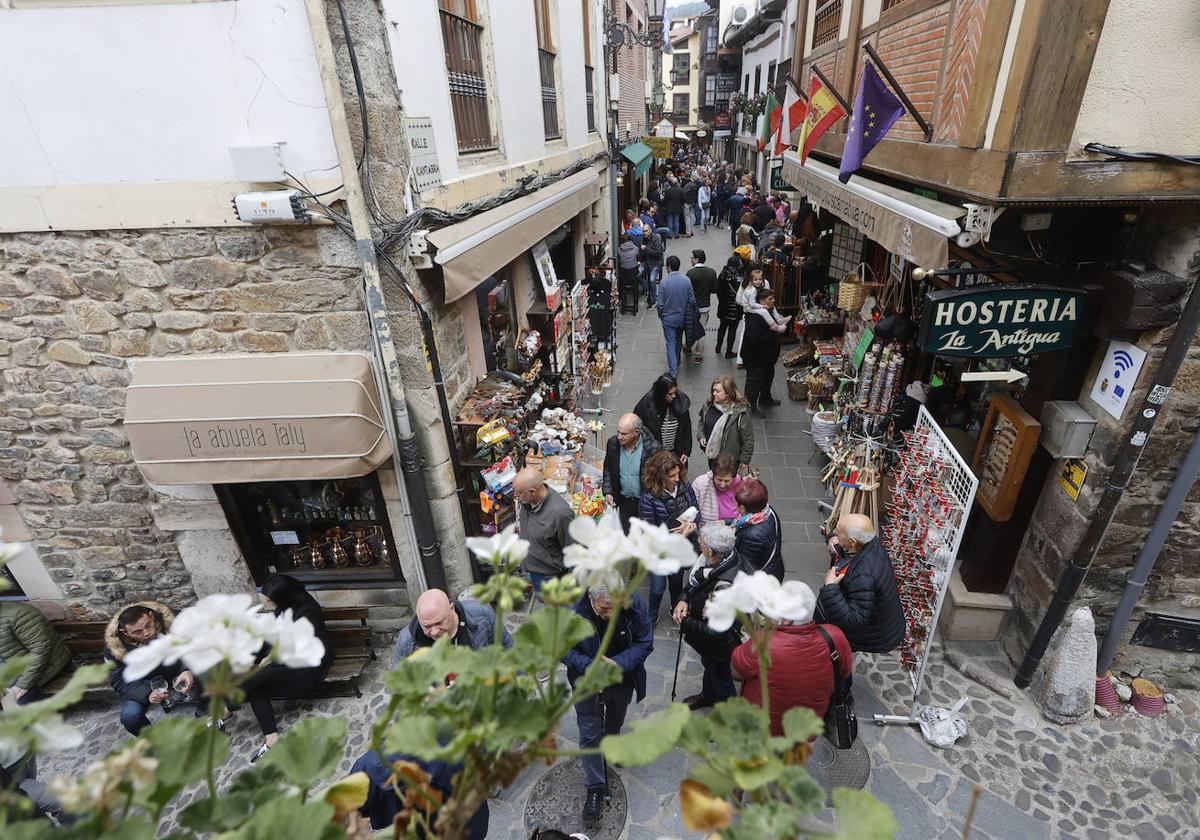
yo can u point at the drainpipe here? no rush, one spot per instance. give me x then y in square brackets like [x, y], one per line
[1114, 486]
[429, 570]
[1148, 556]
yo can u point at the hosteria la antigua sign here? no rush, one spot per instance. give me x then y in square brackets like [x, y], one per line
[997, 321]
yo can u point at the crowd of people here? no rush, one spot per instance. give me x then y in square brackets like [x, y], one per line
[714, 500]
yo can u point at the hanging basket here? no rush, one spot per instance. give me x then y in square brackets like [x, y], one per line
[854, 289]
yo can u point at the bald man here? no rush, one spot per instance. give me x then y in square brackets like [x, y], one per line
[626, 454]
[465, 621]
[860, 596]
[544, 518]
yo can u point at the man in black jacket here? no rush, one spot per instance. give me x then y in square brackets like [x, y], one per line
[860, 596]
[137, 625]
[673, 204]
[717, 541]
[624, 457]
[704, 284]
[690, 192]
[604, 714]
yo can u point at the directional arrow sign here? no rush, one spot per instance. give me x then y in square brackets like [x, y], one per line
[992, 375]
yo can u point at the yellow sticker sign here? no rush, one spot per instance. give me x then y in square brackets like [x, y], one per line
[1073, 475]
[660, 146]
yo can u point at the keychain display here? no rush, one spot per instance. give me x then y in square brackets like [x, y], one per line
[926, 516]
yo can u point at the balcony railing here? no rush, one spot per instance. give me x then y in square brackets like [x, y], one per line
[590, 85]
[828, 22]
[549, 94]
[468, 91]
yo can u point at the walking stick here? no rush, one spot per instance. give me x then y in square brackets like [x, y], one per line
[678, 653]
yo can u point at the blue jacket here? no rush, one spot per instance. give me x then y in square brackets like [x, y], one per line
[675, 295]
[632, 643]
[477, 629]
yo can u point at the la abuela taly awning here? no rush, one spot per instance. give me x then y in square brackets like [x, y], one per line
[265, 417]
[471, 251]
[913, 226]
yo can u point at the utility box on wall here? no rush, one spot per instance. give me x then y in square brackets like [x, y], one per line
[1066, 429]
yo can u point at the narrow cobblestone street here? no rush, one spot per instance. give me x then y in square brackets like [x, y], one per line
[1126, 777]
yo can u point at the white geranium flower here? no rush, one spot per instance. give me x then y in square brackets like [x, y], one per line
[230, 629]
[659, 550]
[296, 644]
[500, 548]
[789, 601]
[52, 734]
[742, 596]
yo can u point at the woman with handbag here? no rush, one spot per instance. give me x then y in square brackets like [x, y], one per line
[665, 498]
[760, 351]
[802, 671]
[724, 427]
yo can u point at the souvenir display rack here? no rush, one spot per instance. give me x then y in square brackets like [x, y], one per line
[927, 514]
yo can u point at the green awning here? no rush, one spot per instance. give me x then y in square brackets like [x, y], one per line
[640, 155]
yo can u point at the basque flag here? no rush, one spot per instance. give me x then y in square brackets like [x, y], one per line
[876, 109]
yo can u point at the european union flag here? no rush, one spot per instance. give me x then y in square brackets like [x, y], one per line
[875, 110]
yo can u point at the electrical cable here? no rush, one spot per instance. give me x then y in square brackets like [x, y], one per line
[1117, 153]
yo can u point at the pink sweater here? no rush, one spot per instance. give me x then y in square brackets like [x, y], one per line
[714, 504]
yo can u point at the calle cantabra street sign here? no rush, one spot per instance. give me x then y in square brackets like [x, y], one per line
[989, 322]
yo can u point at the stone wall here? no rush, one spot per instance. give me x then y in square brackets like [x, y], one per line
[76, 310]
[1170, 239]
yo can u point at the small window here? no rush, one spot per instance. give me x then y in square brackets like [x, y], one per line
[587, 33]
[541, 12]
[681, 104]
[758, 80]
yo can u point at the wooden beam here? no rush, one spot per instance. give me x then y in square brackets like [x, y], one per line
[987, 72]
[1047, 177]
[972, 173]
[1049, 74]
[801, 40]
[850, 60]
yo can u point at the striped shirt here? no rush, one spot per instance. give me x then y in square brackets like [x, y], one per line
[669, 427]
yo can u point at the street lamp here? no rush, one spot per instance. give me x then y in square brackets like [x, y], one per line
[619, 34]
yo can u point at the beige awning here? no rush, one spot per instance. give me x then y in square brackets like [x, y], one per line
[471, 251]
[913, 226]
[265, 417]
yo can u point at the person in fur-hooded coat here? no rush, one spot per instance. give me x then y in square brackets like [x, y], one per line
[134, 626]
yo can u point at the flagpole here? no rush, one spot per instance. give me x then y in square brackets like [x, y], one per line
[832, 90]
[899, 91]
[796, 87]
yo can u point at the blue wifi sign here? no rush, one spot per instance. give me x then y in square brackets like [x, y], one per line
[1118, 376]
[1122, 361]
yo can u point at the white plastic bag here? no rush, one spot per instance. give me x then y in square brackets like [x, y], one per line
[942, 727]
[611, 519]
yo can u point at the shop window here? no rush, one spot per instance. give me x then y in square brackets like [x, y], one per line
[497, 315]
[332, 531]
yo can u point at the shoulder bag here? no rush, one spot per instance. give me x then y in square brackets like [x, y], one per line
[841, 724]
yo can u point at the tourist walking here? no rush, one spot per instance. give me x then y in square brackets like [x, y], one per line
[666, 500]
[704, 285]
[760, 351]
[675, 297]
[729, 313]
[544, 518]
[715, 648]
[716, 490]
[724, 427]
[747, 300]
[664, 412]
[625, 456]
[673, 204]
[759, 535]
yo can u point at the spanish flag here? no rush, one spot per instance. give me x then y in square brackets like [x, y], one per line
[823, 112]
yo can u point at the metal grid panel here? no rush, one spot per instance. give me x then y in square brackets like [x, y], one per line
[927, 514]
[846, 251]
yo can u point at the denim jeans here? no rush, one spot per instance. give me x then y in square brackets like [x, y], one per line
[675, 223]
[654, 275]
[539, 580]
[658, 587]
[673, 336]
[598, 716]
[133, 716]
[703, 218]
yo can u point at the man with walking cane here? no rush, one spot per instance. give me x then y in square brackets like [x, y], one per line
[604, 713]
[716, 545]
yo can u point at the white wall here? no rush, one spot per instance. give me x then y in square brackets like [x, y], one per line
[510, 32]
[122, 116]
[1144, 90]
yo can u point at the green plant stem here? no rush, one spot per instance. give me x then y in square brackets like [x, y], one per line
[215, 710]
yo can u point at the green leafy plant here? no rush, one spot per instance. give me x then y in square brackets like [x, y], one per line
[485, 711]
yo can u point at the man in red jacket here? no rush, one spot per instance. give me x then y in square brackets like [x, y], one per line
[801, 672]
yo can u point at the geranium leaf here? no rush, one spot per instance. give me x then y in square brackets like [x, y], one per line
[415, 735]
[801, 789]
[308, 751]
[180, 744]
[648, 738]
[599, 676]
[801, 723]
[539, 631]
[224, 813]
[717, 781]
[756, 772]
[291, 819]
[862, 817]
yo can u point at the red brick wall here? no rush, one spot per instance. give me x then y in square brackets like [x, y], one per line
[961, 51]
[913, 49]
